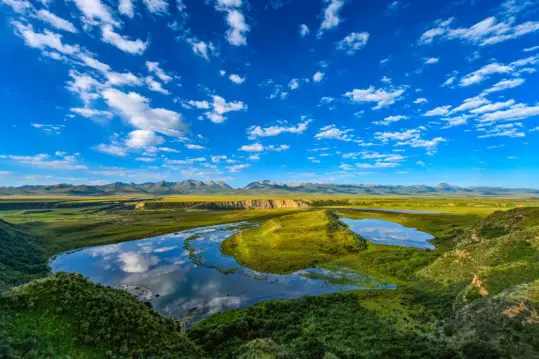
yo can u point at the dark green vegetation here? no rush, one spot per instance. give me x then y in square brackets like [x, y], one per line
[260, 187]
[20, 258]
[288, 243]
[475, 296]
[96, 319]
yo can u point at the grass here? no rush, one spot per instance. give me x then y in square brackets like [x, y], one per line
[436, 311]
[289, 243]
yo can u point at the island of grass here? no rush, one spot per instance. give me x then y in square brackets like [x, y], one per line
[289, 243]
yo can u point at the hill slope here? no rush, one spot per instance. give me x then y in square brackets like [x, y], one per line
[289, 243]
[20, 259]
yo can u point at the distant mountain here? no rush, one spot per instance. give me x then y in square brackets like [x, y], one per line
[378, 189]
[120, 188]
[264, 187]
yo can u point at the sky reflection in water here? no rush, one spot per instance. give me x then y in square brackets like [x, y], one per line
[197, 284]
[386, 232]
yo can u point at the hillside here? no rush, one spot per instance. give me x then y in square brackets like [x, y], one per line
[265, 187]
[20, 258]
[297, 241]
[71, 317]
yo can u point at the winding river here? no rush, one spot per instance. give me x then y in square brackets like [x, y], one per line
[186, 276]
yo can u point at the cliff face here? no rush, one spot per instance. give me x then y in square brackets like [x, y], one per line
[216, 205]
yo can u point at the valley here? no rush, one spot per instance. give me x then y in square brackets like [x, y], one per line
[307, 277]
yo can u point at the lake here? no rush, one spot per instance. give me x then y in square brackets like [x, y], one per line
[186, 276]
[386, 232]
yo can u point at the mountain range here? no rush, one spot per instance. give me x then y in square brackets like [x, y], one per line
[262, 187]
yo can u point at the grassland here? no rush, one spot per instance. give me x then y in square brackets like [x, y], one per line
[474, 296]
[288, 243]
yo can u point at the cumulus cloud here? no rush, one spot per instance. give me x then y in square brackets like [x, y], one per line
[220, 107]
[257, 131]
[237, 168]
[420, 100]
[431, 60]
[332, 132]
[137, 111]
[95, 12]
[158, 7]
[153, 67]
[382, 97]
[353, 42]
[126, 8]
[514, 113]
[438, 111]
[91, 113]
[203, 49]
[318, 76]
[504, 85]
[193, 146]
[505, 130]
[155, 86]
[136, 47]
[143, 139]
[236, 35]
[303, 30]
[331, 15]
[255, 147]
[237, 79]
[293, 84]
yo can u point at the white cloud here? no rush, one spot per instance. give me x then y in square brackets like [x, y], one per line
[469, 104]
[126, 8]
[450, 81]
[382, 97]
[91, 113]
[154, 68]
[48, 128]
[156, 6]
[122, 79]
[257, 131]
[531, 49]
[331, 132]
[19, 6]
[203, 49]
[491, 107]
[420, 100]
[136, 109]
[293, 84]
[237, 79]
[504, 85]
[486, 32]
[202, 105]
[303, 30]
[278, 148]
[143, 139]
[438, 111]
[61, 161]
[155, 86]
[95, 12]
[85, 86]
[484, 73]
[318, 76]
[220, 107]
[193, 146]
[431, 60]
[123, 43]
[514, 113]
[55, 21]
[44, 40]
[331, 15]
[390, 119]
[255, 147]
[237, 168]
[237, 33]
[353, 42]
[505, 130]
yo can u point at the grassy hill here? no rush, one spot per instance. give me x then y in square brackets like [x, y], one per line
[69, 316]
[20, 257]
[289, 243]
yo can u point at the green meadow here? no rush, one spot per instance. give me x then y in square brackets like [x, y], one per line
[474, 296]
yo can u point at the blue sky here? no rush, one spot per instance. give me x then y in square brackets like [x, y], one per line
[389, 92]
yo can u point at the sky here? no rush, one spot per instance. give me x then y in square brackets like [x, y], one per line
[327, 91]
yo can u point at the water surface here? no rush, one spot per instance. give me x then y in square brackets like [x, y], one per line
[185, 275]
[391, 233]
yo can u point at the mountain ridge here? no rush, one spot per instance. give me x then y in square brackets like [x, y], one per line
[192, 186]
